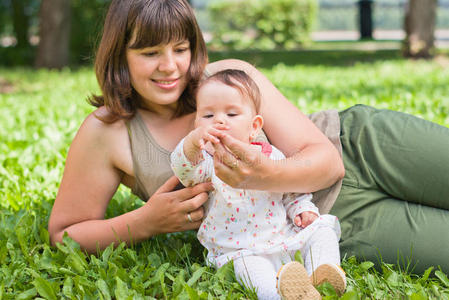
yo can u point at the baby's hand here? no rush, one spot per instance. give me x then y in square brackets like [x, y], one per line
[201, 135]
[304, 219]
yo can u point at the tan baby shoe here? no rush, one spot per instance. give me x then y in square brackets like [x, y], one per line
[331, 273]
[293, 283]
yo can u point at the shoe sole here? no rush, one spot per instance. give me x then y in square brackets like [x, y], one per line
[330, 273]
[293, 283]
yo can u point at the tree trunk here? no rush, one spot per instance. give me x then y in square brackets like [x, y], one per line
[419, 26]
[20, 23]
[53, 49]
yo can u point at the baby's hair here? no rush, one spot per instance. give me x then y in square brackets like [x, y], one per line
[239, 80]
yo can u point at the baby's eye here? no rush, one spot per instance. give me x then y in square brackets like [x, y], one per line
[232, 114]
[208, 116]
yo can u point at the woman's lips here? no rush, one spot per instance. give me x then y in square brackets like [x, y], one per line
[166, 84]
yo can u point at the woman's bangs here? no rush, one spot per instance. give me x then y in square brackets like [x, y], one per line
[161, 25]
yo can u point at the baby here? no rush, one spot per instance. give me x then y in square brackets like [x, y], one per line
[259, 230]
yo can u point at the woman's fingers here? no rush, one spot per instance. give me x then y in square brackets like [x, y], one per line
[194, 203]
[235, 146]
[193, 208]
[168, 210]
[190, 192]
[196, 215]
[191, 225]
[225, 157]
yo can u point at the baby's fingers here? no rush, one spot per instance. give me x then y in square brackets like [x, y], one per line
[201, 143]
[211, 138]
[308, 218]
[214, 134]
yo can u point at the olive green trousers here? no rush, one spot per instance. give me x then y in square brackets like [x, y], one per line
[394, 202]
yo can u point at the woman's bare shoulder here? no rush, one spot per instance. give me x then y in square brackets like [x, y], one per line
[110, 139]
[94, 122]
[95, 130]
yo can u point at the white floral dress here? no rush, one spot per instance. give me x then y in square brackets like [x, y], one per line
[242, 222]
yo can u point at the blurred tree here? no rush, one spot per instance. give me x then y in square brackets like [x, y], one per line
[86, 30]
[20, 22]
[366, 19]
[419, 26]
[17, 24]
[54, 34]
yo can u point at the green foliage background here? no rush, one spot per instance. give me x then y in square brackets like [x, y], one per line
[262, 24]
[39, 116]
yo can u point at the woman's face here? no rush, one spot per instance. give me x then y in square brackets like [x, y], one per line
[159, 73]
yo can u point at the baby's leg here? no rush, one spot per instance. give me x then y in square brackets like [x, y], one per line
[322, 259]
[259, 273]
[321, 248]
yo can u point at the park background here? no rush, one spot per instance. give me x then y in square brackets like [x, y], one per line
[325, 60]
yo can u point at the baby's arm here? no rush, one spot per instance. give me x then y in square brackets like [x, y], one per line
[300, 209]
[187, 172]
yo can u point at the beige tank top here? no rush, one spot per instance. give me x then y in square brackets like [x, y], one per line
[151, 162]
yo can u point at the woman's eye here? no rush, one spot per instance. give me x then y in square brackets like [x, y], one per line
[150, 53]
[181, 50]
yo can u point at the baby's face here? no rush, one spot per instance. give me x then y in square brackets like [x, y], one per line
[219, 103]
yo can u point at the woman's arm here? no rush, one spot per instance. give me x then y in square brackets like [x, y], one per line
[312, 163]
[95, 164]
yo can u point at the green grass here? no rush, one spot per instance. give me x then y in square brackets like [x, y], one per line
[39, 115]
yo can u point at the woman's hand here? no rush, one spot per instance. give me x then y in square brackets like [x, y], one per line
[240, 165]
[169, 211]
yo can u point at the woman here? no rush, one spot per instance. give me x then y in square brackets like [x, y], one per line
[150, 58]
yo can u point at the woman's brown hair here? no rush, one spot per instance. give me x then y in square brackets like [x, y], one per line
[139, 24]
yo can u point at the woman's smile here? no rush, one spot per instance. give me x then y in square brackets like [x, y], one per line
[166, 84]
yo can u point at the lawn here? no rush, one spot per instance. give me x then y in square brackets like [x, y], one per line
[39, 115]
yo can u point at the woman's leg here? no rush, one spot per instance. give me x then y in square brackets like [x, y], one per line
[376, 227]
[394, 200]
[259, 273]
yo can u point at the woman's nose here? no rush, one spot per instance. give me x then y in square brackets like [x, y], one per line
[167, 62]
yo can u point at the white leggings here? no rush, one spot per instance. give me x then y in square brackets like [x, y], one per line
[259, 272]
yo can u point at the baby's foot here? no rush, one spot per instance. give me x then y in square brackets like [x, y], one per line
[331, 273]
[293, 283]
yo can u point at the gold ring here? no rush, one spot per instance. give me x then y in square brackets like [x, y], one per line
[189, 217]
